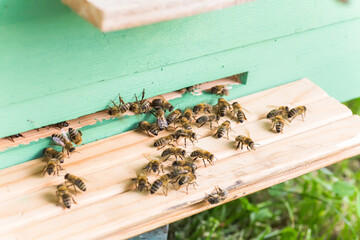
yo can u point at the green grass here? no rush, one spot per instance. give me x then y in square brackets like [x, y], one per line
[324, 204]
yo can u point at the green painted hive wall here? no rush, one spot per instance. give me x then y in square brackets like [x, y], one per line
[56, 66]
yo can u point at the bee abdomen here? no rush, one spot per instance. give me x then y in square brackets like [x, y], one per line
[241, 117]
[124, 108]
[292, 113]
[50, 169]
[222, 111]
[220, 133]
[279, 127]
[155, 186]
[80, 184]
[159, 142]
[66, 200]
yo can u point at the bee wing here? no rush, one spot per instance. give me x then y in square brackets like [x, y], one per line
[147, 156]
[58, 141]
[247, 132]
[65, 135]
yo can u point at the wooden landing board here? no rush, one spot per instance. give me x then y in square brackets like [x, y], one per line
[110, 209]
[111, 15]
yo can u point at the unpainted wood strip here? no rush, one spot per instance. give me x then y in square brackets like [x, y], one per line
[110, 15]
[124, 169]
[123, 157]
[116, 213]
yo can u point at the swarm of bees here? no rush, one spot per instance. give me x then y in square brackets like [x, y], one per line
[180, 171]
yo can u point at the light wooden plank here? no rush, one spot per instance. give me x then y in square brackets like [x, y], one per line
[111, 207]
[111, 15]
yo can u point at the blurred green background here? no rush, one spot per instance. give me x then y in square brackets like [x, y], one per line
[324, 204]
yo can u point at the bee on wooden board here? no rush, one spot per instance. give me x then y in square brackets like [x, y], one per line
[61, 125]
[163, 181]
[216, 196]
[282, 111]
[189, 115]
[222, 107]
[278, 123]
[141, 183]
[178, 170]
[52, 167]
[173, 151]
[208, 119]
[184, 163]
[173, 116]
[154, 165]
[50, 153]
[116, 110]
[204, 155]
[142, 106]
[167, 140]
[160, 119]
[220, 90]
[64, 194]
[192, 88]
[222, 129]
[11, 138]
[75, 136]
[244, 141]
[63, 141]
[238, 112]
[185, 123]
[202, 107]
[161, 103]
[186, 134]
[297, 111]
[75, 181]
[187, 178]
[149, 128]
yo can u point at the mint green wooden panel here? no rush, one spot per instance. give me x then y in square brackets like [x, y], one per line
[328, 56]
[65, 68]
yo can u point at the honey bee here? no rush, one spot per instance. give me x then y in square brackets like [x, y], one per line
[141, 182]
[187, 178]
[161, 103]
[148, 127]
[183, 163]
[238, 112]
[173, 116]
[64, 142]
[52, 167]
[50, 153]
[186, 134]
[162, 181]
[160, 119]
[173, 151]
[278, 122]
[204, 155]
[189, 114]
[142, 106]
[116, 110]
[222, 129]
[208, 118]
[282, 111]
[75, 136]
[154, 165]
[75, 181]
[61, 124]
[202, 107]
[222, 107]
[167, 140]
[244, 140]
[64, 194]
[300, 110]
[216, 196]
[192, 88]
[185, 123]
[219, 90]
[11, 138]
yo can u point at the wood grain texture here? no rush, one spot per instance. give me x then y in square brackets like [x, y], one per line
[76, 61]
[110, 209]
[111, 15]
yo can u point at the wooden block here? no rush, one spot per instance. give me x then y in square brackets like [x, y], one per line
[111, 209]
[111, 15]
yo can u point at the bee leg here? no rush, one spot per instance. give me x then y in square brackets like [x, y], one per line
[211, 125]
[10, 139]
[44, 170]
[57, 198]
[73, 199]
[237, 146]
[162, 167]
[227, 134]
[242, 146]
[204, 162]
